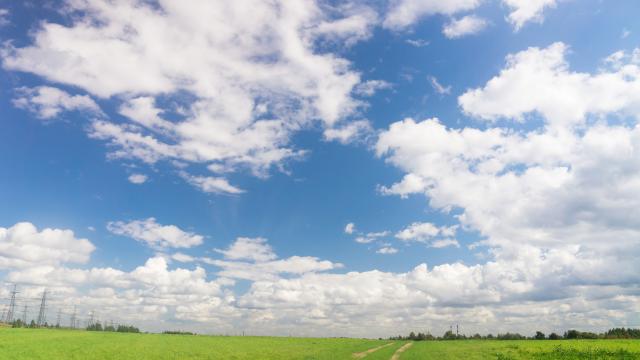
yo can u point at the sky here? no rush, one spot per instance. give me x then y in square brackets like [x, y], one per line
[322, 168]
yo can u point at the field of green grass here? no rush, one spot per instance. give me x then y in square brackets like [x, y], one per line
[67, 344]
[31, 344]
[524, 349]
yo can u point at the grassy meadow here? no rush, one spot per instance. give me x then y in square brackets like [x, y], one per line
[66, 344]
[524, 349]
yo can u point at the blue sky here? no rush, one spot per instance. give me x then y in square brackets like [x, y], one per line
[180, 158]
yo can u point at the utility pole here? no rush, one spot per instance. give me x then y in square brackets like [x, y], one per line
[72, 323]
[24, 315]
[43, 305]
[12, 304]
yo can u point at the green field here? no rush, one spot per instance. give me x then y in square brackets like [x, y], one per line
[524, 349]
[64, 344]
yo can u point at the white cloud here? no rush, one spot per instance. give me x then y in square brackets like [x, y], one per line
[523, 11]
[211, 184]
[255, 249]
[270, 269]
[350, 228]
[48, 102]
[155, 235]
[298, 294]
[22, 245]
[464, 26]
[387, 250]
[418, 42]
[424, 231]
[349, 133]
[364, 240]
[137, 178]
[443, 243]
[142, 110]
[556, 201]
[540, 81]
[625, 34]
[235, 89]
[180, 257]
[4, 14]
[404, 13]
[371, 237]
[355, 23]
[370, 87]
[439, 88]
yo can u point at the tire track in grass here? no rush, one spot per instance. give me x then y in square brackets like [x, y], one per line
[360, 355]
[396, 355]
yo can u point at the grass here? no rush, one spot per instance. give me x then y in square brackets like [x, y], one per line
[68, 344]
[30, 344]
[516, 350]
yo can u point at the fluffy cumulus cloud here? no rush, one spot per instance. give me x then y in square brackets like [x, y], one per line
[155, 235]
[404, 13]
[255, 249]
[221, 84]
[556, 204]
[47, 102]
[23, 245]
[312, 295]
[539, 80]
[424, 231]
[523, 11]
[464, 26]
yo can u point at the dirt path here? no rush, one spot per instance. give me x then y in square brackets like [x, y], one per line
[396, 355]
[360, 355]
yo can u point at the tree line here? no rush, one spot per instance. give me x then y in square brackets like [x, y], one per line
[120, 328]
[615, 333]
[97, 326]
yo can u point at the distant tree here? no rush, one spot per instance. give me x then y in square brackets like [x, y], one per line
[554, 336]
[575, 334]
[511, 336]
[449, 335]
[539, 336]
[622, 333]
[129, 329]
[32, 324]
[571, 334]
[169, 332]
[18, 324]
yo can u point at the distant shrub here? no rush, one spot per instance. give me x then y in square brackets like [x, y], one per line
[170, 332]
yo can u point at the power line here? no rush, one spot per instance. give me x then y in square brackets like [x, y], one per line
[43, 305]
[73, 318]
[12, 304]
